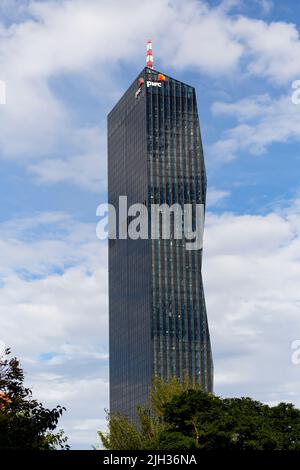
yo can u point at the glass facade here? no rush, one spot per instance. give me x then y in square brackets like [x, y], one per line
[157, 314]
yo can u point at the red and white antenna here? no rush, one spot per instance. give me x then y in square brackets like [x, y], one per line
[149, 55]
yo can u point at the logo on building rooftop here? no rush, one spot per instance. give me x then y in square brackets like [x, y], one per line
[158, 82]
[153, 83]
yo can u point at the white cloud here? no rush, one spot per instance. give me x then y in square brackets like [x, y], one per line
[251, 275]
[86, 170]
[89, 38]
[273, 48]
[216, 196]
[69, 37]
[47, 243]
[246, 109]
[266, 6]
[81, 170]
[84, 398]
[199, 36]
[13, 10]
[57, 323]
[262, 121]
[54, 315]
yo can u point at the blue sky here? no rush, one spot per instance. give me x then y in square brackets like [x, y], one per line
[65, 64]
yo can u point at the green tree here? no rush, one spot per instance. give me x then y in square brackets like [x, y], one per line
[233, 423]
[125, 435]
[24, 422]
[150, 429]
[185, 417]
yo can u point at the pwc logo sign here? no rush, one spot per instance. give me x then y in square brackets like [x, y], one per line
[157, 83]
[150, 83]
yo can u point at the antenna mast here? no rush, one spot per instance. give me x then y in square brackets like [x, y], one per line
[149, 55]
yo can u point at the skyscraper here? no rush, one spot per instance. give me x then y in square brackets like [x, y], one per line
[157, 314]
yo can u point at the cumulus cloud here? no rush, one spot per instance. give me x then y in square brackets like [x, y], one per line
[57, 322]
[48, 40]
[262, 121]
[86, 170]
[266, 6]
[53, 313]
[273, 48]
[216, 196]
[251, 275]
[198, 36]
[58, 327]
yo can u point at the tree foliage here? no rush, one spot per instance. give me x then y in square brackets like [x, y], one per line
[24, 422]
[185, 417]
